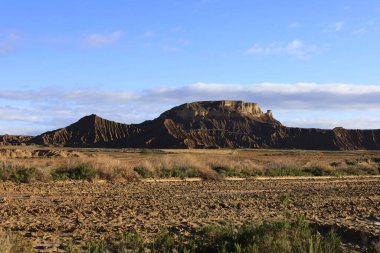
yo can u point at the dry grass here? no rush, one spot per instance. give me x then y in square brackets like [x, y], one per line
[171, 165]
[273, 236]
[130, 165]
[106, 167]
[12, 243]
[376, 247]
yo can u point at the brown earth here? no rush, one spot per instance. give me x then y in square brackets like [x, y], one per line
[90, 131]
[36, 153]
[51, 213]
[54, 212]
[211, 124]
[9, 140]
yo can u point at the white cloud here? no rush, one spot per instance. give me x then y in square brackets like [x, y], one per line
[294, 25]
[171, 49]
[359, 31]
[19, 130]
[7, 42]
[296, 48]
[13, 36]
[336, 27]
[177, 29]
[328, 121]
[149, 33]
[58, 40]
[339, 26]
[298, 104]
[368, 27]
[184, 42]
[98, 40]
[180, 44]
[5, 47]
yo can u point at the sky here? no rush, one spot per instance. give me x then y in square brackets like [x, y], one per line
[313, 63]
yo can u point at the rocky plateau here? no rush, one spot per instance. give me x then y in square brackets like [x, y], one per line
[207, 124]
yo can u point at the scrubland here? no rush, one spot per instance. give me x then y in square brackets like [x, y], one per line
[97, 200]
[131, 165]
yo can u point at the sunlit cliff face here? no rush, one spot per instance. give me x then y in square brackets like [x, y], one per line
[219, 110]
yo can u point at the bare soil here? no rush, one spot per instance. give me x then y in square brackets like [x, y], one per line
[54, 212]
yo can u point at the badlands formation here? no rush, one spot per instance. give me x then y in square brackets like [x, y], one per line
[207, 124]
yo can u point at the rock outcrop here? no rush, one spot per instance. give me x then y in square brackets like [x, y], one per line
[14, 140]
[216, 124]
[90, 131]
[208, 124]
[219, 110]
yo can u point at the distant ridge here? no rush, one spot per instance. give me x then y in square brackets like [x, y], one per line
[90, 131]
[206, 124]
[7, 140]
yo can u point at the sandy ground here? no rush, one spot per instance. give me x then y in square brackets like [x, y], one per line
[51, 213]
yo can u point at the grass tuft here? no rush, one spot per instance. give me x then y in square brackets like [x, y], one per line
[80, 172]
[12, 243]
[275, 236]
[143, 172]
[18, 174]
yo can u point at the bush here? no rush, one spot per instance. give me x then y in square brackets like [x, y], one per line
[335, 164]
[315, 171]
[179, 172]
[143, 172]
[209, 174]
[280, 236]
[24, 175]
[284, 198]
[375, 246]
[166, 242]
[284, 171]
[18, 174]
[12, 243]
[80, 172]
[227, 171]
[349, 162]
[349, 171]
[277, 236]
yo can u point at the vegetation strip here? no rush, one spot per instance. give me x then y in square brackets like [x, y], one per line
[275, 236]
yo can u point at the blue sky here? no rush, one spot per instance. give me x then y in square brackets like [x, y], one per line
[60, 60]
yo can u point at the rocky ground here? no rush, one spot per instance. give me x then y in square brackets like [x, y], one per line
[52, 213]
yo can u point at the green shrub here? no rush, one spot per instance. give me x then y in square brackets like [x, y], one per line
[315, 171]
[143, 172]
[349, 162]
[281, 236]
[18, 174]
[284, 171]
[369, 171]
[179, 172]
[165, 242]
[349, 171]
[80, 172]
[132, 240]
[13, 243]
[24, 175]
[375, 246]
[281, 171]
[227, 171]
[275, 236]
[284, 198]
[251, 172]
